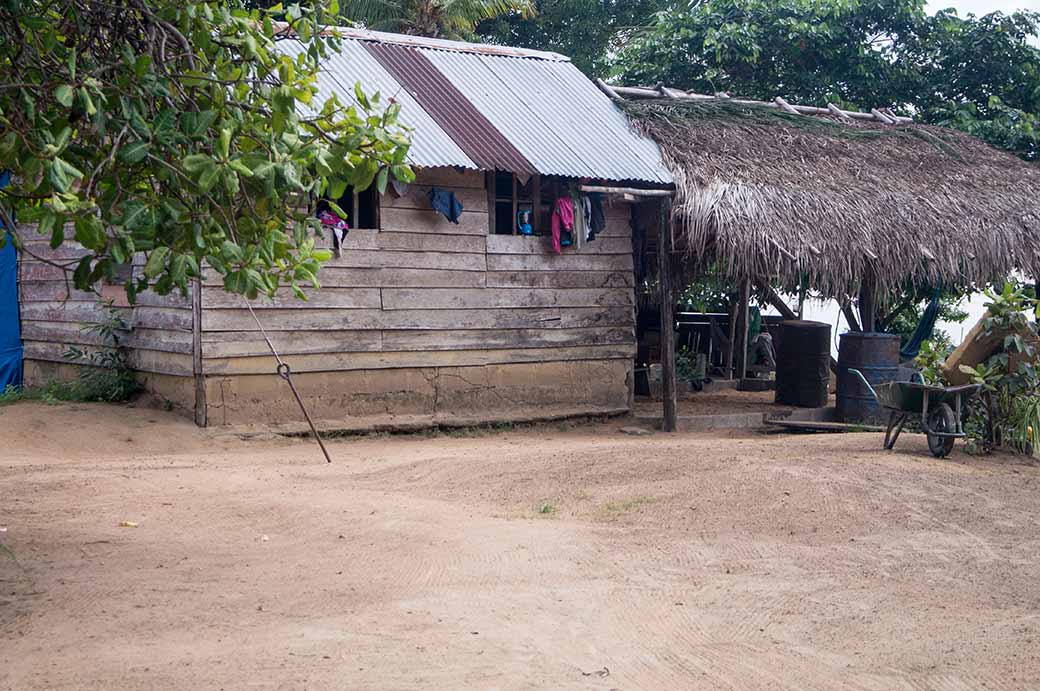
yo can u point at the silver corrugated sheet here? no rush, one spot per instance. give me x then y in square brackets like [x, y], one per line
[554, 115]
[547, 109]
[431, 146]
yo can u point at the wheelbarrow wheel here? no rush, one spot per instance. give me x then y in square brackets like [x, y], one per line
[941, 419]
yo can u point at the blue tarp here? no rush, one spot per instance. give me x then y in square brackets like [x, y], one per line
[10, 326]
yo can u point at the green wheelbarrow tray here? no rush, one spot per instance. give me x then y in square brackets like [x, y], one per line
[939, 408]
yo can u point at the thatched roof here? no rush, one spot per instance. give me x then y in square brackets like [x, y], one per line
[772, 193]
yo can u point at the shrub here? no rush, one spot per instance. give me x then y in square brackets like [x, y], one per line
[1007, 415]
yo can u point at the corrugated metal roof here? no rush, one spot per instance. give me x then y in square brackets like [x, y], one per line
[431, 146]
[555, 116]
[539, 104]
[456, 115]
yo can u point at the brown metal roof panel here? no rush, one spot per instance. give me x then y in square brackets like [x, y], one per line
[450, 109]
[431, 146]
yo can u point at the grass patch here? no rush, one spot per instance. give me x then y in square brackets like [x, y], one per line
[623, 506]
[11, 394]
[547, 508]
[105, 386]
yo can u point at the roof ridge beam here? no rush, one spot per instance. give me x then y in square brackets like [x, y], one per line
[779, 103]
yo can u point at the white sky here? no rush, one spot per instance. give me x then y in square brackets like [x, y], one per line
[981, 7]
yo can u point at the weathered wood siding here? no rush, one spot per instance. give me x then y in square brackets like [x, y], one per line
[422, 317]
[424, 294]
[54, 315]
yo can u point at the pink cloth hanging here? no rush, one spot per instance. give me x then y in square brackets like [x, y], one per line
[562, 219]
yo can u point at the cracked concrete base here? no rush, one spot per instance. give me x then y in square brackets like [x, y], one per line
[424, 397]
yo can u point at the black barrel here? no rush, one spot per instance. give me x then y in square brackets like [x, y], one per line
[803, 358]
[876, 355]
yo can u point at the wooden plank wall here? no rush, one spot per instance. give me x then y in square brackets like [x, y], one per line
[54, 314]
[422, 292]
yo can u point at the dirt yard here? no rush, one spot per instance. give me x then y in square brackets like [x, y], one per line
[547, 558]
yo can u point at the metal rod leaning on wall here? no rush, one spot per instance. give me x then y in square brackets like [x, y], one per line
[285, 372]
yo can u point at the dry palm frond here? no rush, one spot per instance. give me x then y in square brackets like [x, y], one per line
[771, 194]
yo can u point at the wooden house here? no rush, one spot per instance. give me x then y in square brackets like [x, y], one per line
[419, 318]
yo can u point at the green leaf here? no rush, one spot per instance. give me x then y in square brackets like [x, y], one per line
[403, 173]
[223, 147]
[134, 152]
[208, 178]
[86, 102]
[197, 162]
[51, 225]
[381, 180]
[336, 210]
[337, 187]
[91, 233]
[62, 174]
[156, 262]
[64, 95]
[81, 276]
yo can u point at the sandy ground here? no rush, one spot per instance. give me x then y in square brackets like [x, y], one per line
[543, 558]
[715, 403]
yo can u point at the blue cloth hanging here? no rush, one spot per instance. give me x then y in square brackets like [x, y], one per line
[10, 324]
[924, 329]
[447, 203]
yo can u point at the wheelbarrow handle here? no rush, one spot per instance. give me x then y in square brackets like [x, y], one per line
[865, 383]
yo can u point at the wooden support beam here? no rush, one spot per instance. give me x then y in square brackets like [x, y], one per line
[664, 274]
[837, 112]
[664, 92]
[489, 183]
[516, 203]
[744, 320]
[775, 300]
[881, 117]
[536, 203]
[850, 316]
[608, 90]
[196, 354]
[634, 191]
[734, 309]
[785, 106]
[867, 305]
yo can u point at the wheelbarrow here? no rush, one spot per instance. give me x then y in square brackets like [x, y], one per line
[939, 407]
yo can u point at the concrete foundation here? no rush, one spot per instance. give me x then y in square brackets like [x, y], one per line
[483, 393]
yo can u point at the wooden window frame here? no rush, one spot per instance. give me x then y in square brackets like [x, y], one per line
[491, 183]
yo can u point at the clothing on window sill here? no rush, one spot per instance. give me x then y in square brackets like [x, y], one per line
[446, 203]
[579, 217]
[562, 222]
[586, 216]
[340, 228]
[597, 220]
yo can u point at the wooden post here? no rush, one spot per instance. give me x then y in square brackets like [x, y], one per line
[850, 316]
[664, 274]
[734, 310]
[536, 203]
[196, 353]
[489, 182]
[867, 307]
[516, 203]
[743, 318]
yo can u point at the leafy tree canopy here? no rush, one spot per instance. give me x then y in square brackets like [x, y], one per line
[454, 19]
[173, 128]
[976, 73]
[587, 31]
